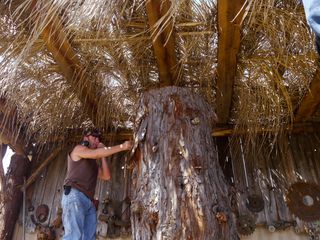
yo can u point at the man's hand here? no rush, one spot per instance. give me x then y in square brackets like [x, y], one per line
[127, 145]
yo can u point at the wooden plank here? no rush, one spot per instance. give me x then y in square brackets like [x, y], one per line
[54, 185]
[36, 173]
[284, 176]
[228, 48]
[75, 135]
[307, 147]
[162, 40]
[315, 141]
[311, 100]
[259, 176]
[298, 157]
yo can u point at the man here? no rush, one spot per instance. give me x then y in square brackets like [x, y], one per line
[312, 11]
[79, 213]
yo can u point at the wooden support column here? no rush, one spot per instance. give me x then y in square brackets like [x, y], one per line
[18, 170]
[228, 48]
[311, 101]
[163, 40]
[178, 188]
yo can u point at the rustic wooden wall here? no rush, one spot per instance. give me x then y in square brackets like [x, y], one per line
[270, 171]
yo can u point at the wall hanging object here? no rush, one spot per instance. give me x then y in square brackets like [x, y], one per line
[303, 200]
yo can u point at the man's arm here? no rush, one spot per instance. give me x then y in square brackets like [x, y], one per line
[80, 151]
[104, 171]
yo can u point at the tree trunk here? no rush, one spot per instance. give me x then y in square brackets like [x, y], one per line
[179, 191]
[18, 169]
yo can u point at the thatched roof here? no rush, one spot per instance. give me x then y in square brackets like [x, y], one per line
[66, 64]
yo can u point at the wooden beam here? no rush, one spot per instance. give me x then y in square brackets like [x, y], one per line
[54, 35]
[76, 136]
[227, 130]
[296, 128]
[135, 38]
[36, 173]
[87, 90]
[163, 40]
[311, 100]
[230, 14]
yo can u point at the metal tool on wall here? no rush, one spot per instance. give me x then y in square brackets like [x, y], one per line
[303, 200]
[254, 201]
[245, 225]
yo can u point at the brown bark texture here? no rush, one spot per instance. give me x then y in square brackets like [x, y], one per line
[178, 188]
[17, 171]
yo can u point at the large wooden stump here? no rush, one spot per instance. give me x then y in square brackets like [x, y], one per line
[179, 191]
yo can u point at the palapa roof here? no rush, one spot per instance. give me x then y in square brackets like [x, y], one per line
[66, 64]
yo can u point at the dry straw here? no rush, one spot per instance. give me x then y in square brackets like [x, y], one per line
[113, 44]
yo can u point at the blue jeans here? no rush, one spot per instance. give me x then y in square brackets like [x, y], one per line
[312, 10]
[79, 216]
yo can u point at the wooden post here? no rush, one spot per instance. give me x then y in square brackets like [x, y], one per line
[18, 169]
[179, 191]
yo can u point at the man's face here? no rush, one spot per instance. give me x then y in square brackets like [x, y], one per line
[94, 141]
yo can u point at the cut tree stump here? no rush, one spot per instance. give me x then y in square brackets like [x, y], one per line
[178, 188]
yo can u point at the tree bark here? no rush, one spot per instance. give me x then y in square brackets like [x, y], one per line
[179, 191]
[17, 171]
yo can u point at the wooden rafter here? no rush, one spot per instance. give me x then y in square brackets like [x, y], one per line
[76, 136]
[230, 14]
[311, 101]
[295, 129]
[163, 42]
[74, 72]
[222, 131]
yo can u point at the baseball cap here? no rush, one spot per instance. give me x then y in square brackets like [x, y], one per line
[92, 132]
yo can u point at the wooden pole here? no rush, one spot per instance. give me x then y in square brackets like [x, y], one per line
[18, 169]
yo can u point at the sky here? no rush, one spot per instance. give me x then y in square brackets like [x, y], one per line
[6, 159]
